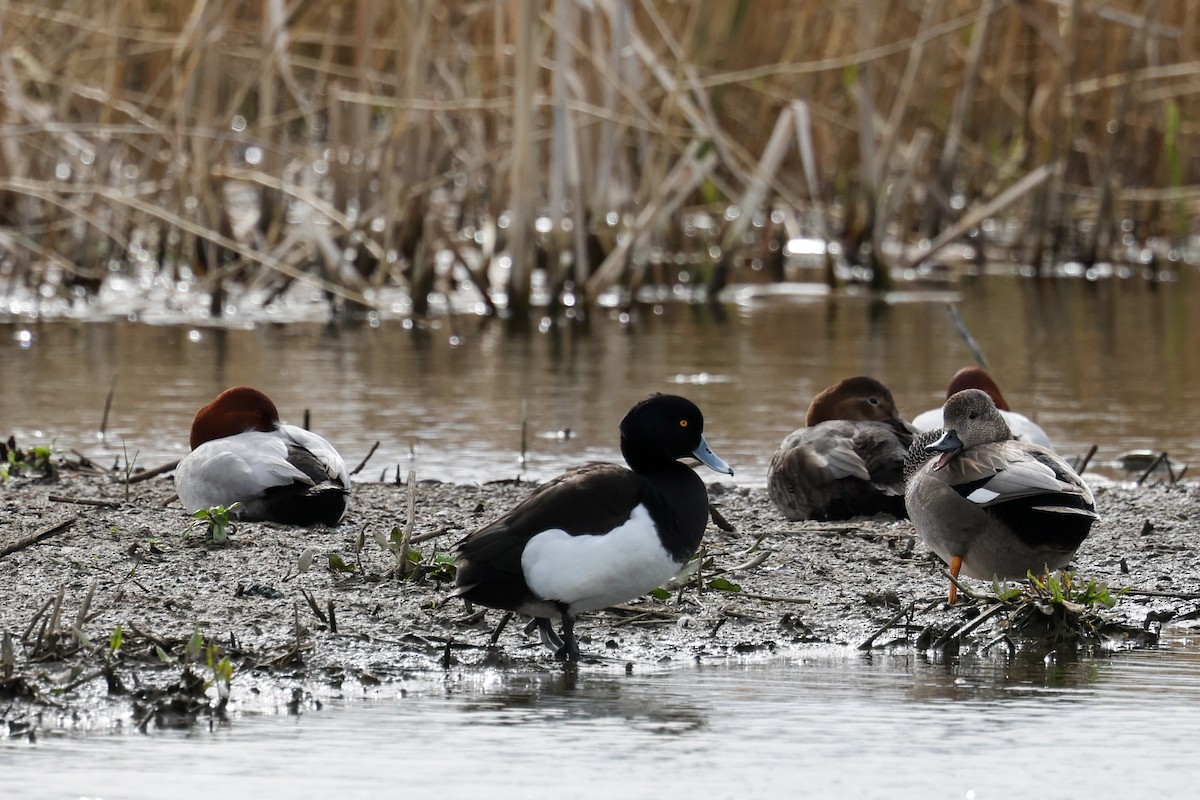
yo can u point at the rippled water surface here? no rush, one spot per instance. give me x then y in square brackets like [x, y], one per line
[834, 724]
[1114, 362]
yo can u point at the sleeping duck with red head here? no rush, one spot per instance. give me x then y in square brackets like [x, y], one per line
[242, 453]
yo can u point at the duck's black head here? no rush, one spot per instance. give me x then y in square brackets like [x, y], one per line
[663, 428]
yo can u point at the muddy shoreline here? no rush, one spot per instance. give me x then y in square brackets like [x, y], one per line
[123, 616]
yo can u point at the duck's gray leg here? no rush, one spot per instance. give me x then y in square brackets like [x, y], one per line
[545, 630]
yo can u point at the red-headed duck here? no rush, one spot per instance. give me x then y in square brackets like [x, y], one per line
[242, 453]
[1022, 427]
[600, 534]
[990, 505]
[848, 460]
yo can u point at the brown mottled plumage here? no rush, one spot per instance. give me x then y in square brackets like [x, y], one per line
[848, 459]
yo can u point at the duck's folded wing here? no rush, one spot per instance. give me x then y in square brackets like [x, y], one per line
[240, 468]
[592, 499]
[1005, 472]
[821, 454]
[320, 451]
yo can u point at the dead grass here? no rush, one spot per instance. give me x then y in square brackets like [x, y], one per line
[351, 146]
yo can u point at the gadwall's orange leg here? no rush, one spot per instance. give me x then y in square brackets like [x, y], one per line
[955, 566]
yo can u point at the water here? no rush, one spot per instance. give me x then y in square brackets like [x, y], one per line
[1112, 362]
[834, 723]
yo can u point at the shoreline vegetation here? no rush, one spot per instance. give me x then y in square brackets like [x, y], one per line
[125, 613]
[546, 153]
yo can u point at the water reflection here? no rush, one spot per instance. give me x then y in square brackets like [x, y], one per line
[833, 722]
[1109, 362]
[572, 695]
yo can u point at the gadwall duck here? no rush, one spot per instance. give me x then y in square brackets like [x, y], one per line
[848, 460]
[600, 534]
[1022, 427]
[990, 505]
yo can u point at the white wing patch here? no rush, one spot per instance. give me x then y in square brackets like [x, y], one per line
[982, 496]
[594, 571]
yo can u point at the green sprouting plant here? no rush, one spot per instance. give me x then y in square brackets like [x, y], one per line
[1059, 603]
[216, 522]
[37, 460]
[222, 671]
[443, 569]
[129, 462]
[1062, 588]
[116, 640]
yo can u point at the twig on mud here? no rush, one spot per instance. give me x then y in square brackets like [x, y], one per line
[149, 636]
[771, 598]
[81, 617]
[651, 616]
[1158, 593]
[366, 458]
[147, 474]
[903, 612]
[1153, 466]
[406, 539]
[34, 620]
[312, 603]
[84, 501]
[970, 625]
[425, 537]
[754, 561]
[81, 680]
[45, 533]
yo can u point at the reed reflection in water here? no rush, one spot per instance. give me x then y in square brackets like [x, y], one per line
[1111, 362]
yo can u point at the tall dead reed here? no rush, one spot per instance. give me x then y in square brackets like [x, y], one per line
[546, 152]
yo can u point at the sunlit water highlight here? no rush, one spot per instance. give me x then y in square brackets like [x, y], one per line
[834, 723]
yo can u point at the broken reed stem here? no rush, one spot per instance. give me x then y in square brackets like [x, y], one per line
[34, 538]
[366, 458]
[524, 432]
[84, 501]
[425, 537]
[1153, 466]
[1087, 459]
[81, 617]
[112, 390]
[965, 333]
[410, 521]
[147, 474]
[904, 611]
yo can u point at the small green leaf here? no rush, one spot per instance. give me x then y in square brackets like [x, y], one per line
[114, 641]
[661, 594]
[723, 585]
[338, 564]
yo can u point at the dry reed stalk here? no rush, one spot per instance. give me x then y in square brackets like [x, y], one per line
[522, 169]
[435, 110]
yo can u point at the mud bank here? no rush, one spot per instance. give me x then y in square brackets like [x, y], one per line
[120, 614]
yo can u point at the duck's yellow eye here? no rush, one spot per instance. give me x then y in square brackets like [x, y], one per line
[683, 423]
